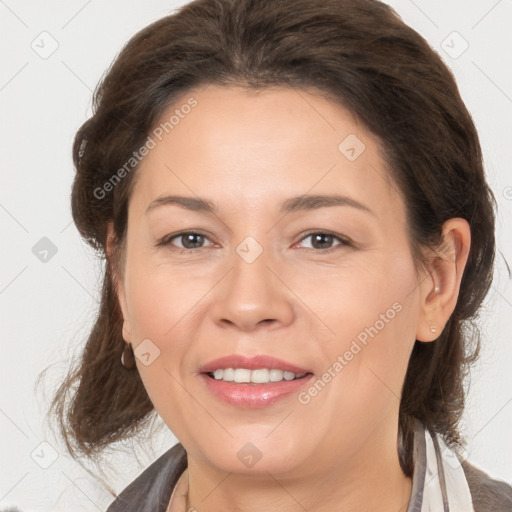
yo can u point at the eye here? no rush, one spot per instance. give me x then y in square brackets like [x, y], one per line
[190, 240]
[324, 240]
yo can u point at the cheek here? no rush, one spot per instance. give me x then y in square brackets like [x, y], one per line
[160, 297]
[160, 301]
[371, 313]
[166, 305]
[371, 297]
[365, 362]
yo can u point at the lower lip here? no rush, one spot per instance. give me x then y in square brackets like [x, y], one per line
[253, 396]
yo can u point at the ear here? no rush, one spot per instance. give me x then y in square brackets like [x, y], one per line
[439, 288]
[117, 279]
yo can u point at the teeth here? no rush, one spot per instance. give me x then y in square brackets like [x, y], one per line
[228, 374]
[242, 375]
[276, 375]
[259, 376]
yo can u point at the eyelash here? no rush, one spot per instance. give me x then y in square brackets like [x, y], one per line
[166, 242]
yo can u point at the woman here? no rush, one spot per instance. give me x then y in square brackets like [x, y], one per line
[297, 229]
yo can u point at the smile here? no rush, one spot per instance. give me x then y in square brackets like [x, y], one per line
[254, 395]
[258, 376]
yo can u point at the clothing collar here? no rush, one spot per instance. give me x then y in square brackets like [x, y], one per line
[439, 483]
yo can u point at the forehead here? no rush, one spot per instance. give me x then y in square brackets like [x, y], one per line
[258, 146]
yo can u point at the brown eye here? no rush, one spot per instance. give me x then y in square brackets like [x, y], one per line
[320, 240]
[183, 242]
[192, 240]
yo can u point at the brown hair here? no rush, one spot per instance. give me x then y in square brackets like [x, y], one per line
[360, 54]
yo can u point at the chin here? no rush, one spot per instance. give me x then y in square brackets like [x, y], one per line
[256, 455]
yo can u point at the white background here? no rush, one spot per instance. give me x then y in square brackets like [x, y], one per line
[47, 308]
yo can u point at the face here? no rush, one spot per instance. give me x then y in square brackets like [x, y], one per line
[289, 241]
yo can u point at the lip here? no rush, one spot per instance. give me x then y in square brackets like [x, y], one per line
[251, 363]
[254, 396]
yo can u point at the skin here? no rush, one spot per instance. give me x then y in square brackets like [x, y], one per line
[248, 152]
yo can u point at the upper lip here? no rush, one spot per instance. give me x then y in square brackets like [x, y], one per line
[251, 363]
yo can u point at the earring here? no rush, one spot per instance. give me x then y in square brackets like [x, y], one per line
[433, 329]
[128, 357]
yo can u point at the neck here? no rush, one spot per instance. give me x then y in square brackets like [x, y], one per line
[371, 480]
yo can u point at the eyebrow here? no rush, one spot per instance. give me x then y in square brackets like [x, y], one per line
[291, 205]
[313, 202]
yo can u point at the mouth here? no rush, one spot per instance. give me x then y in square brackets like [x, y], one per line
[255, 377]
[253, 382]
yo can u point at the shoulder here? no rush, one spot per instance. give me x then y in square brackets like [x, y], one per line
[152, 489]
[487, 493]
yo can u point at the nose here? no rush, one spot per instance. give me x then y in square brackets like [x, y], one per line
[253, 295]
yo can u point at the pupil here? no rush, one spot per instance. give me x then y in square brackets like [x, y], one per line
[323, 239]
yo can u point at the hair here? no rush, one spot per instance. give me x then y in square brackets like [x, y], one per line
[358, 53]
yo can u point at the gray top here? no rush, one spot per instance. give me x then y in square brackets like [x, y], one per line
[152, 489]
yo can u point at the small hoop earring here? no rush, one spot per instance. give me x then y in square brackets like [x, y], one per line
[128, 357]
